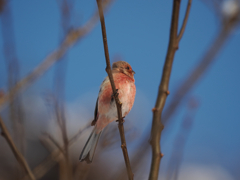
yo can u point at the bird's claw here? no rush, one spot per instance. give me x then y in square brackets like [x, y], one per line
[114, 94]
[93, 122]
[122, 120]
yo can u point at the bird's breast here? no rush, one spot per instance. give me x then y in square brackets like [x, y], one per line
[126, 94]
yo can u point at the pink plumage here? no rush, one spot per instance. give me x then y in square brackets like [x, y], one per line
[106, 110]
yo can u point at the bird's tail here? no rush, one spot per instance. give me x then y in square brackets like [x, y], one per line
[90, 146]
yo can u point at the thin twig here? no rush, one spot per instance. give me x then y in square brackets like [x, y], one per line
[136, 162]
[65, 137]
[59, 110]
[118, 103]
[66, 9]
[181, 140]
[54, 141]
[60, 158]
[199, 70]
[16, 114]
[5, 133]
[61, 119]
[71, 39]
[55, 155]
[185, 20]
[163, 92]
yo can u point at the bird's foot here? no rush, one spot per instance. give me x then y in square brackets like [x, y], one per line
[122, 119]
[114, 94]
[93, 122]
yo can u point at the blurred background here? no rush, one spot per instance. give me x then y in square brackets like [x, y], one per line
[50, 118]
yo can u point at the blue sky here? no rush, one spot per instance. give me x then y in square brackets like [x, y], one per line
[138, 31]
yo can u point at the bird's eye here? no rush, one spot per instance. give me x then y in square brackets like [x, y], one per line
[127, 68]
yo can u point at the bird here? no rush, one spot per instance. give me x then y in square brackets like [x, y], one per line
[105, 109]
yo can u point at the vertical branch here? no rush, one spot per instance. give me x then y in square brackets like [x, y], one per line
[163, 92]
[66, 172]
[5, 133]
[118, 103]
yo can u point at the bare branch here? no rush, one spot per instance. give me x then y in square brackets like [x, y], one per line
[59, 110]
[5, 133]
[16, 114]
[163, 92]
[185, 20]
[181, 140]
[200, 69]
[61, 119]
[71, 39]
[54, 142]
[118, 103]
[66, 9]
[56, 155]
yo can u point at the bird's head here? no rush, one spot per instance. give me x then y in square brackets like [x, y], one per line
[123, 67]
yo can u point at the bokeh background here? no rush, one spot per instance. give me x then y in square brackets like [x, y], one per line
[201, 140]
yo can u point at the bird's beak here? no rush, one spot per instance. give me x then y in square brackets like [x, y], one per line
[133, 72]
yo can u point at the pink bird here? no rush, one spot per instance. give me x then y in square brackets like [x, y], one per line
[106, 110]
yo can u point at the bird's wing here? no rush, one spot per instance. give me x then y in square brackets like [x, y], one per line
[95, 114]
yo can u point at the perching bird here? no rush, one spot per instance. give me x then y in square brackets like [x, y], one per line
[106, 110]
